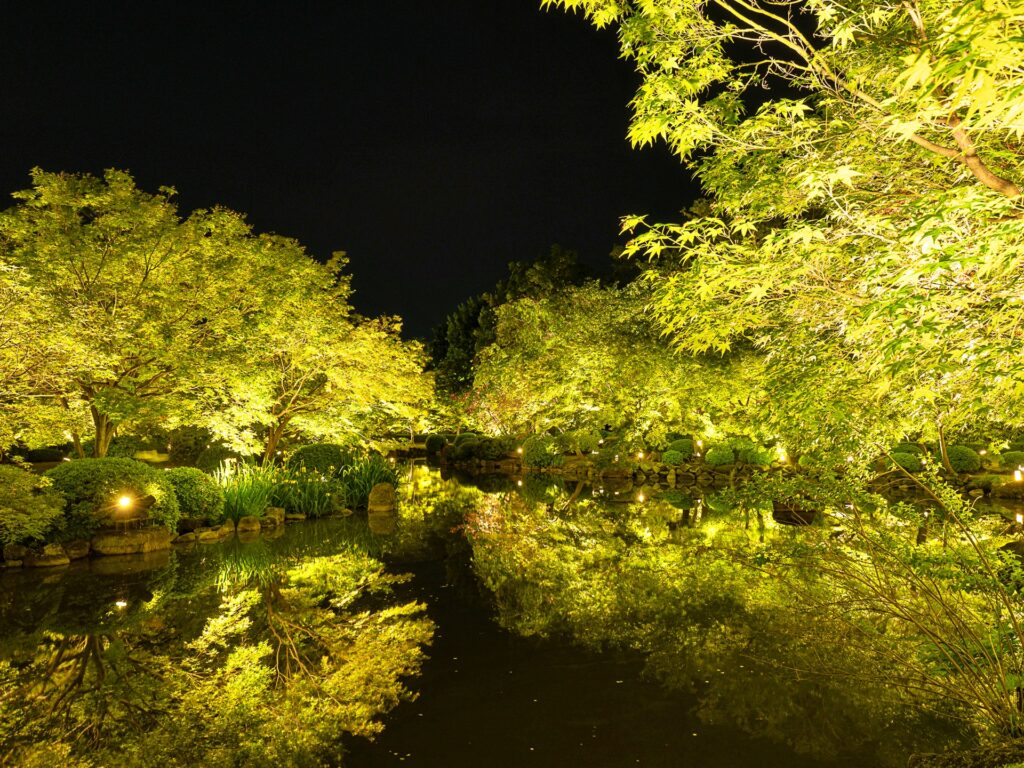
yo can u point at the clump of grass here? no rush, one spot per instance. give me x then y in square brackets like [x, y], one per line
[248, 488]
[304, 491]
[362, 474]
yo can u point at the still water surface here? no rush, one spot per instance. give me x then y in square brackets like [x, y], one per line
[508, 681]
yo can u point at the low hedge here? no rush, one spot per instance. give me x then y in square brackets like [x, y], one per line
[719, 455]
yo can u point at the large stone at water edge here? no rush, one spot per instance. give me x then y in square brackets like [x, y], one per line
[131, 542]
[381, 509]
[382, 499]
[248, 524]
[52, 554]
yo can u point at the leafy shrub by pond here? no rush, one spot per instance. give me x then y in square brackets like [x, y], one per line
[541, 451]
[29, 507]
[211, 458]
[198, 494]
[434, 444]
[328, 459]
[963, 459]
[719, 455]
[122, 446]
[754, 455]
[248, 488]
[1011, 459]
[683, 445]
[908, 461]
[672, 457]
[92, 488]
[460, 439]
[358, 478]
[463, 451]
[493, 448]
[305, 491]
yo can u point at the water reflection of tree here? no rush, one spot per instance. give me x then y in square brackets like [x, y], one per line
[694, 595]
[293, 653]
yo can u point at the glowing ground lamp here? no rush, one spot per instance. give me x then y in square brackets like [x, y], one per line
[1017, 475]
[1020, 519]
[125, 503]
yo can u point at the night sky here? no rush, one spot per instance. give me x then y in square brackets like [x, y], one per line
[434, 142]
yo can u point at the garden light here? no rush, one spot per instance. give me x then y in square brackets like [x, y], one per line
[640, 455]
[519, 450]
[1020, 519]
[1016, 474]
[121, 604]
[124, 502]
[640, 497]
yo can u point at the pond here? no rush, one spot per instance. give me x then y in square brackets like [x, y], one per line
[533, 628]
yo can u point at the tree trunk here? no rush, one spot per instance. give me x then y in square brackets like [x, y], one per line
[944, 453]
[270, 451]
[105, 429]
[76, 440]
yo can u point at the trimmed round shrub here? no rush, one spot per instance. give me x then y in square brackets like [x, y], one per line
[464, 450]
[462, 438]
[908, 461]
[1011, 459]
[672, 457]
[963, 459]
[541, 451]
[30, 509]
[93, 486]
[908, 448]
[493, 448]
[683, 445]
[434, 444]
[719, 455]
[211, 458]
[328, 459]
[198, 494]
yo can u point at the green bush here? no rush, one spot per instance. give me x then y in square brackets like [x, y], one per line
[587, 441]
[460, 439]
[248, 489]
[963, 459]
[719, 455]
[328, 459]
[358, 478]
[30, 508]
[908, 461]
[198, 494]
[305, 491]
[210, 459]
[541, 451]
[908, 448]
[434, 444]
[493, 448]
[92, 487]
[672, 457]
[463, 451]
[683, 445]
[121, 446]
[1011, 459]
[755, 455]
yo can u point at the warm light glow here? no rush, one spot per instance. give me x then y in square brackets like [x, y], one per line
[640, 455]
[780, 453]
[519, 450]
[601, 441]
[519, 482]
[1020, 519]
[121, 604]
[1017, 474]
[124, 502]
[640, 497]
[700, 443]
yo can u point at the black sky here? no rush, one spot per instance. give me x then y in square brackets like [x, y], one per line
[433, 141]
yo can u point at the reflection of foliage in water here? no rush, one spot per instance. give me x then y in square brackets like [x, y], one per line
[284, 665]
[430, 510]
[698, 602]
